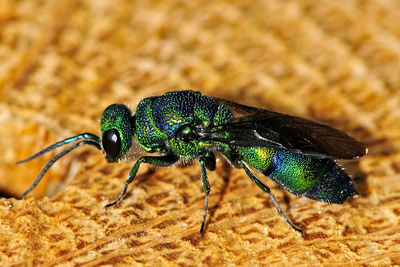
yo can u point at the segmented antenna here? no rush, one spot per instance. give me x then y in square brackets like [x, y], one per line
[90, 139]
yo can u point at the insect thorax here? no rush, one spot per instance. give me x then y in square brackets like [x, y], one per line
[159, 120]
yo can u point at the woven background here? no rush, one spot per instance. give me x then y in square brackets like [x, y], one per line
[63, 62]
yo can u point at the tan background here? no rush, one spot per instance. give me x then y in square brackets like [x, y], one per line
[63, 62]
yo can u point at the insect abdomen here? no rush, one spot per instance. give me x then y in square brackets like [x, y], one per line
[333, 186]
[320, 179]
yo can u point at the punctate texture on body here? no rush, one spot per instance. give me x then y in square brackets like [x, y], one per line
[296, 153]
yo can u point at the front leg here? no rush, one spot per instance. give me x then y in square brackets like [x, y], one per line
[161, 161]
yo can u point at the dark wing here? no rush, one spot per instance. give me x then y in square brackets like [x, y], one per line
[258, 127]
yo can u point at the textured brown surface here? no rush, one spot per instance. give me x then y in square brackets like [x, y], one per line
[63, 62]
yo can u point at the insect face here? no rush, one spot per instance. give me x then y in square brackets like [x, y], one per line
[116, 131]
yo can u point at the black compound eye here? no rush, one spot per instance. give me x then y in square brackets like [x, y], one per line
[111, 142]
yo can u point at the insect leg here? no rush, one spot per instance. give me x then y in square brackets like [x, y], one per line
[161, 161]
[206, 186]
[210, 161]
[265, 188]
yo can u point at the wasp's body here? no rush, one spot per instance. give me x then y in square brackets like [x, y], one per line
[296, 153]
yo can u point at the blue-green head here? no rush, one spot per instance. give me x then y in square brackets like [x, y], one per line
[117, 130]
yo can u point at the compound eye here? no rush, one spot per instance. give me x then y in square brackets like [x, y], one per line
[111, 142]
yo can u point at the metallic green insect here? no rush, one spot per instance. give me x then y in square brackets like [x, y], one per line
[296, 153]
